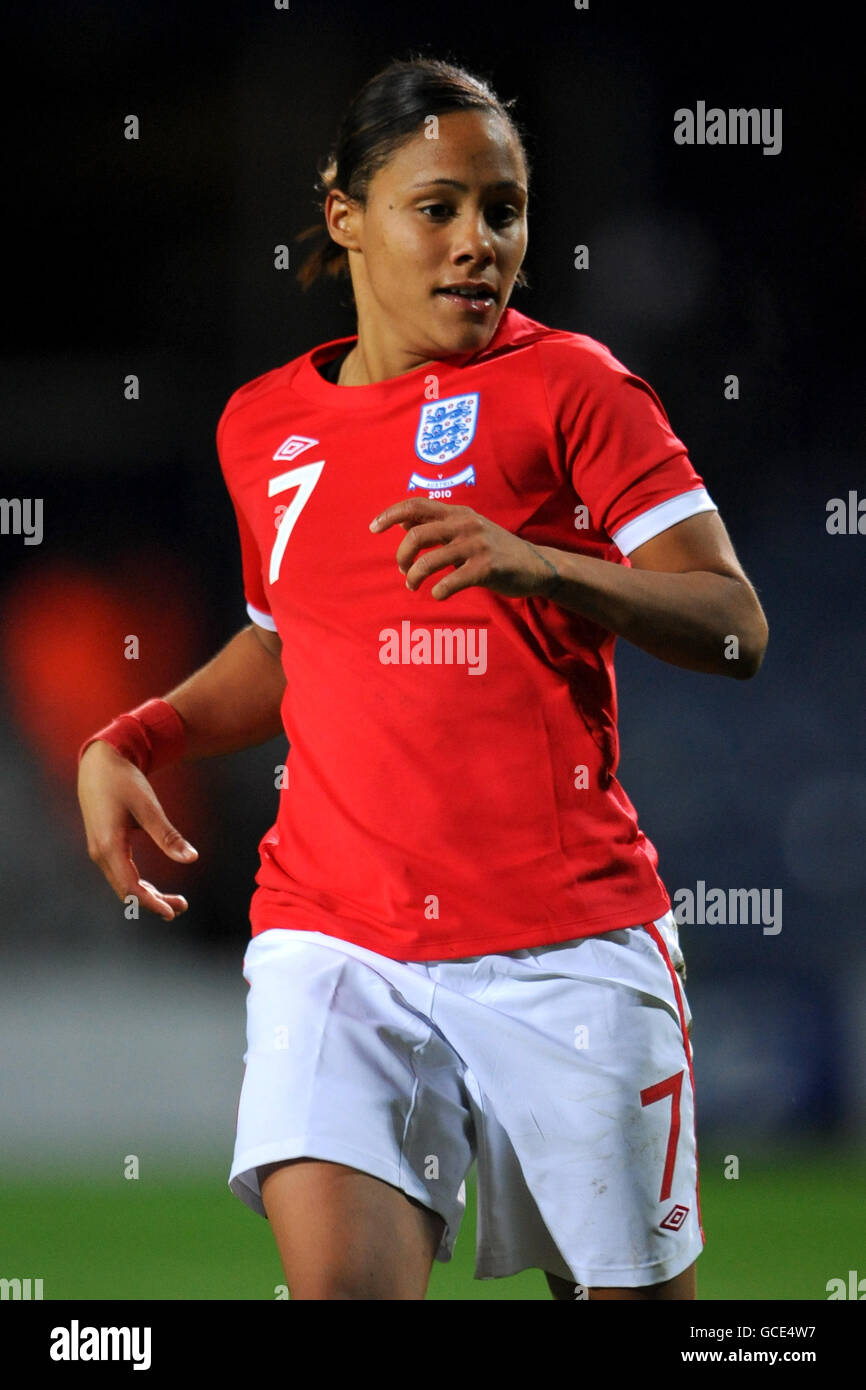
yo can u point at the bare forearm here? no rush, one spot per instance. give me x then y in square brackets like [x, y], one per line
[686, 619]
[232, 702]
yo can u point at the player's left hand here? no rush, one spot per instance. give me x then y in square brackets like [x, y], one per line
[482, 552]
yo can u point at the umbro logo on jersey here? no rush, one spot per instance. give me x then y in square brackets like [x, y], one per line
[294, 445]
[674, 1219]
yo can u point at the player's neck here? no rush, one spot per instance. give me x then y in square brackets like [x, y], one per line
[365, 364]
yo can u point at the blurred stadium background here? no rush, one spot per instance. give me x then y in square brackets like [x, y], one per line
[155, 257]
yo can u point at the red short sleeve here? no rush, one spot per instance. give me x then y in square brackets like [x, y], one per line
[621, 454]
[251, 559]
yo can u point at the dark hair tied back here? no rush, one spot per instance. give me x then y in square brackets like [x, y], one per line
[388, 110]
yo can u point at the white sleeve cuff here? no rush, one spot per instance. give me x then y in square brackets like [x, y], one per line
[660, 518]
[261, 619]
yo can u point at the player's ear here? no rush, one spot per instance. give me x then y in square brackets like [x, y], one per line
[342, 217]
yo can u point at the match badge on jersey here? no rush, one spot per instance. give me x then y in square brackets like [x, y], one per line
[294, 445]
[441, 487]
[445, 429]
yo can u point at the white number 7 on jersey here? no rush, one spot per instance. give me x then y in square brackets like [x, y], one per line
[304, 479]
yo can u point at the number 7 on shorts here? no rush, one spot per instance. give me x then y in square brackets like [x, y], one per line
[671, 1086]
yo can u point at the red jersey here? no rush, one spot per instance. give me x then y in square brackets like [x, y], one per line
[450, 783]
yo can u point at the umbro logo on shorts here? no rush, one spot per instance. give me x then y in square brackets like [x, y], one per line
[675, 1218]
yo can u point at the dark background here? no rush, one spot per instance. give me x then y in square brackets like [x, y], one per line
[156, 257]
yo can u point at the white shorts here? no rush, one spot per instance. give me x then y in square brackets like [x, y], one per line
[564, 1070]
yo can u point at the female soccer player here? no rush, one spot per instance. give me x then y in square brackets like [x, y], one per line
[460, 946]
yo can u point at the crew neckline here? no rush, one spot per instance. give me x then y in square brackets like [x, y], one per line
[309, 382]
[329, 370]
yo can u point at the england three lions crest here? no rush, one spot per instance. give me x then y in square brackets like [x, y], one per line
[446, 428]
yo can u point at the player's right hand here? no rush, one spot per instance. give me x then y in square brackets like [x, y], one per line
[115, 799]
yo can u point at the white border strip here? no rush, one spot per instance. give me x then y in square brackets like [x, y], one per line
[261, 619]
[660, 518]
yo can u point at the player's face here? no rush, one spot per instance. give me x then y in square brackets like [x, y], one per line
[442, 211]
